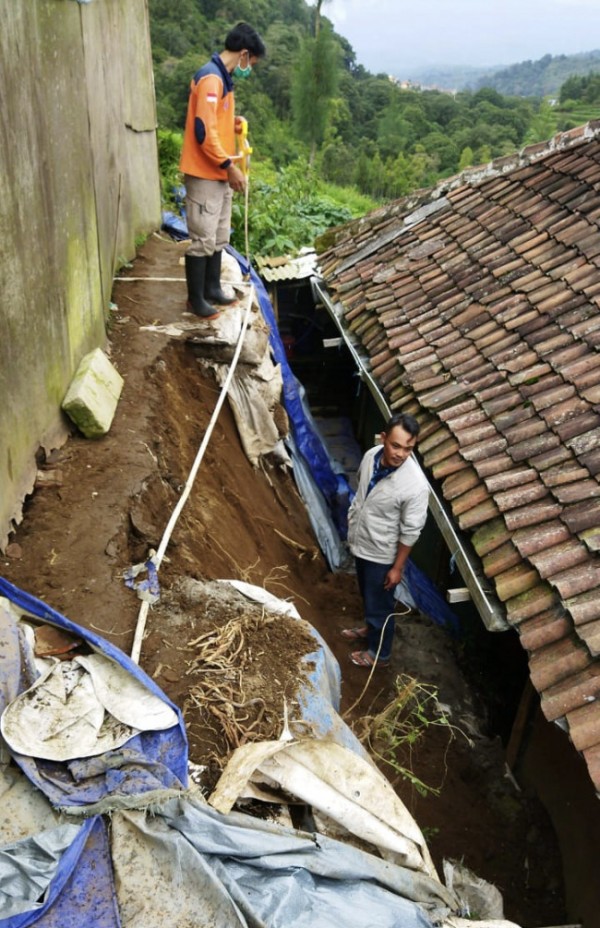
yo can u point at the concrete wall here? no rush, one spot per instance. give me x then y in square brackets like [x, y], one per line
[78, 183]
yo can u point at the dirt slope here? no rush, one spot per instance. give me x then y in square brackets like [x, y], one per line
[104, 503]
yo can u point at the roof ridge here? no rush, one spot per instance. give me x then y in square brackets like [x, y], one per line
[473, 176]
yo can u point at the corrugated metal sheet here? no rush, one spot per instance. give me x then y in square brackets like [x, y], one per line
[300, 267]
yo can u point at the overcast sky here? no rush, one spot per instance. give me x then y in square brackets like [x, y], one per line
[392, 36]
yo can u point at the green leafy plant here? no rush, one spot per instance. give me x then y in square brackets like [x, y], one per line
[169, 151]
[392, 734]
[286, 210]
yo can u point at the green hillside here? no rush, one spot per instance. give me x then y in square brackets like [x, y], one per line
[329, 138]
[540, 78]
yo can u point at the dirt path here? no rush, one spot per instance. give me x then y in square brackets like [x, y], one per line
[106, 502]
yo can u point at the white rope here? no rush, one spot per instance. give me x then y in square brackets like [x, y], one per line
[143, 613]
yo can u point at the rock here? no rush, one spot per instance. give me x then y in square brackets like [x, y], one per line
[93, 395]
[48, 478]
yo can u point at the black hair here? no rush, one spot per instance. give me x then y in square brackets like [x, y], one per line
[405, 421]
[244, 36]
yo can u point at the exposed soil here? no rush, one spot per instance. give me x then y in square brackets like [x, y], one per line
[99, 507]
[241, 663]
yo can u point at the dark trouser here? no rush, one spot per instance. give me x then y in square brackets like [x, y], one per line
[378, 605]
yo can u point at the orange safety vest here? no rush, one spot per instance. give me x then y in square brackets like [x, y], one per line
[209, 137]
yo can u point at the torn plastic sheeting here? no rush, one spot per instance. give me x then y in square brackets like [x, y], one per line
[248, 397]
[476, 895]
[143, 578]
[456, 921]
[82, 884]
[81, 708]
[325, 530]
[28, 866]
[149, 763]
[254, 873]
[346, 788]
[220, 343]
[319, 701]
[30, 811]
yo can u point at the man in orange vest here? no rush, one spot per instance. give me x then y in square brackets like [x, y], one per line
[207, 163]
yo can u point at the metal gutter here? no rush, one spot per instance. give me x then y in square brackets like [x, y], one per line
[489, 608]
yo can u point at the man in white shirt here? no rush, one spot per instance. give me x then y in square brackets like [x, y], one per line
[385, 520]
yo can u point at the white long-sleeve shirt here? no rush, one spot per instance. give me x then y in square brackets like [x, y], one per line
[393, 513]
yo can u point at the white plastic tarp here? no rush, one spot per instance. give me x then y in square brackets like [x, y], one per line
[81, 708]
[338, 783]
[169, 858]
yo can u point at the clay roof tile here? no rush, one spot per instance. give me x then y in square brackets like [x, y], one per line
[484, 318]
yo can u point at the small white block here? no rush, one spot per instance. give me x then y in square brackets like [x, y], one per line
[93, 394]
[459, 594]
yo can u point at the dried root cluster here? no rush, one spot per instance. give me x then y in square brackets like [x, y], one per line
[237, 693]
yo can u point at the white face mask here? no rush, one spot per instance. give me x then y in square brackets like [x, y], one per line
[240, 72]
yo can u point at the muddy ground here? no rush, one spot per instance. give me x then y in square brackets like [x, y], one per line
[99, 507]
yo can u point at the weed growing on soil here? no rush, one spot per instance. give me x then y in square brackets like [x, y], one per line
[392, 734]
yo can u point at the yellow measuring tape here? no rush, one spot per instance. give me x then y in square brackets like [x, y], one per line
[244, 149]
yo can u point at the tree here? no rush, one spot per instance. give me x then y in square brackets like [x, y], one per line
[314, 83]
[543, 125]
[318, 17]
[396, 133]
[442, 151]
[273, 76]
[466, 158]
[338, 162]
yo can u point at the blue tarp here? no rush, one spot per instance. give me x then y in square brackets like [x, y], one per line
[175, 225]
[151, 761]
[81, 891]
[333, 486]
[428, 599]
[181, 863]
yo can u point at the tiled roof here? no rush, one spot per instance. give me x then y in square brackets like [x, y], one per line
[478, 305]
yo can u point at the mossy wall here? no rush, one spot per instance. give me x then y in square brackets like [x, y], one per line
[78, 183]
